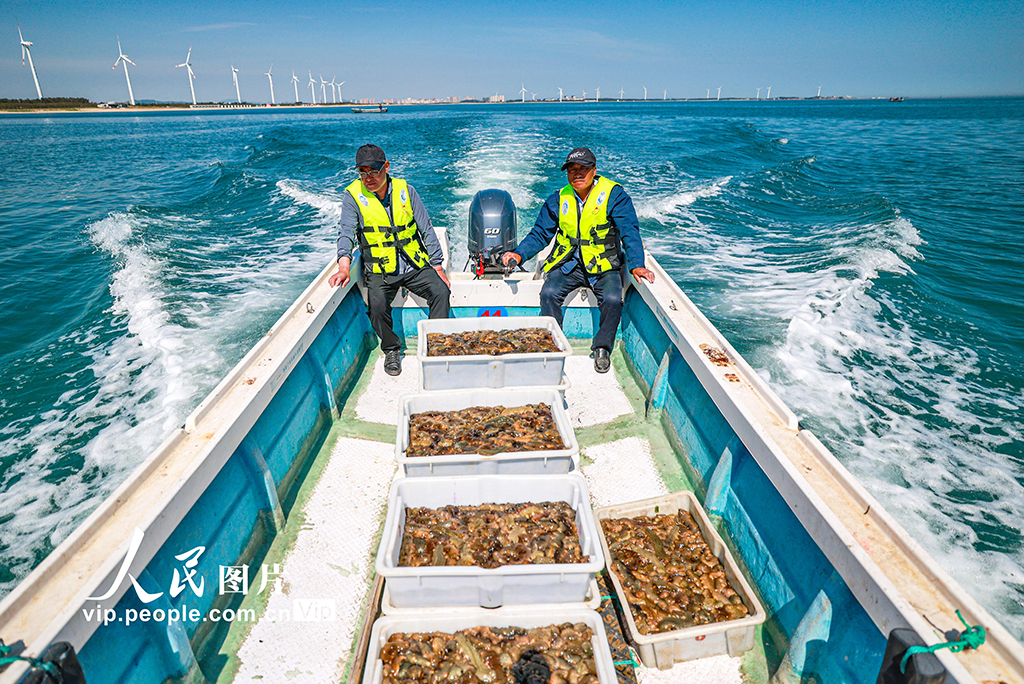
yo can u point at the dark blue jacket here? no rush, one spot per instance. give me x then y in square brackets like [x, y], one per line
[620, 212]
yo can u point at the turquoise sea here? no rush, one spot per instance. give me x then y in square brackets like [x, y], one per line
[865, 256]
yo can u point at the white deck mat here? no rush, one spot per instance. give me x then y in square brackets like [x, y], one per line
[331, 561]
[379, 403]
[621, 471]
[624, 471]
[593, 397]
[719, 669]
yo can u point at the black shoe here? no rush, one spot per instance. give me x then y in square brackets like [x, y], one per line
[602, 360]
[393, 362]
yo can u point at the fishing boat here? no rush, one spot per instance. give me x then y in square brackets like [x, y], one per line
[270, 498]
[369, 110]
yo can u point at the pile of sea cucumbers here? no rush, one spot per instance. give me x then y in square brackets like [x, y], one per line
[492, 342]
[486, 430]
[490, 535]
[670, 577]
[489, 654]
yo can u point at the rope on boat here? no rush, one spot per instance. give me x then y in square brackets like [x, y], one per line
[972, 637]
[631, 661]
[50, 669]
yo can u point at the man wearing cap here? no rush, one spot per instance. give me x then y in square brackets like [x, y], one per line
[399, 248]
[596, 232]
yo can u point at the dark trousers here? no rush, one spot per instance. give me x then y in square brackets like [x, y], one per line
[381, 290]
[607, 288]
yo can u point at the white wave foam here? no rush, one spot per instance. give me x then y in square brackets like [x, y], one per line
[328, 206]
[160, 349]
[495, 158]
[138, 392]
[665, 209]
[897, 404]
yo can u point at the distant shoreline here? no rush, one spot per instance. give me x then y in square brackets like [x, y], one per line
[135, 109]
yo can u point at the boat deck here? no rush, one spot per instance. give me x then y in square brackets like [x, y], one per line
[326, 551]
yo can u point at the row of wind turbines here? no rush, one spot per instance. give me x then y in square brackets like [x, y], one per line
[622, 91]
[561, 93]
[124, 61]
[269, 73]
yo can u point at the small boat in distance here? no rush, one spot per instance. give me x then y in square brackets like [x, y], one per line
[381, 109]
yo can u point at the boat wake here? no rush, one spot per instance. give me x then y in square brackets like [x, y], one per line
[833, 327]
[495, 158]
[185, 304]
[668, 209]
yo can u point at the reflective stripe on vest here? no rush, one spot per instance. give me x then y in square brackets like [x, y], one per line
[596, 238]
[379, 236]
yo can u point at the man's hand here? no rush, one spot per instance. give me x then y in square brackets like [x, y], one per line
[511, 256]
[641, 273]
[440, 272]
[342, 276]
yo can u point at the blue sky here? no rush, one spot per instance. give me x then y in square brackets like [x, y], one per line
[471, 49]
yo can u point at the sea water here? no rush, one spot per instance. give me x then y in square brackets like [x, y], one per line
[864, 256]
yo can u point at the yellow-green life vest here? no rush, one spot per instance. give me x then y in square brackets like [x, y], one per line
[380, 238]
[597, 239]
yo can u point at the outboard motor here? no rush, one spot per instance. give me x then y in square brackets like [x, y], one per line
[492, 231]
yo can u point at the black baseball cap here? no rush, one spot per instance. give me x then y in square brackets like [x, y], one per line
[582, 156]
[370, 155]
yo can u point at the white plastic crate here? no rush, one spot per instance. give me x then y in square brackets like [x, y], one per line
[481, 370]
[592, 602]
[383, 628]
[549, 462]
[663, 650]
[488, 587]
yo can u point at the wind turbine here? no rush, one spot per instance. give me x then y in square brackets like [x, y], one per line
[234, 77]
[339, 91]
[709, 94]
[758, 93]
[25, 45]
[598, 99]
[559, 94]
[620, 94]
[664, 95]
[323, 90]
[334, 89]
[123, 59]
[523, 91]
[584, 95]
[719, 96]
[645, 93]
[769, 95]
[271, 78]
[191, 75]
[312, 86]
[819, 91]
[295, 83]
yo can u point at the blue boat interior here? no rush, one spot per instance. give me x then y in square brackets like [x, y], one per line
[815, 627]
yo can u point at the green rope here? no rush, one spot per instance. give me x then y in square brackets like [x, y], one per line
[49, 668]
[631, 661]
[972, 637]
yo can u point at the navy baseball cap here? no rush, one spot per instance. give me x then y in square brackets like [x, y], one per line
[370, 155]
[582, 156]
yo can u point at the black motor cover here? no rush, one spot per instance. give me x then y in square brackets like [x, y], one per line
[492, 228]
